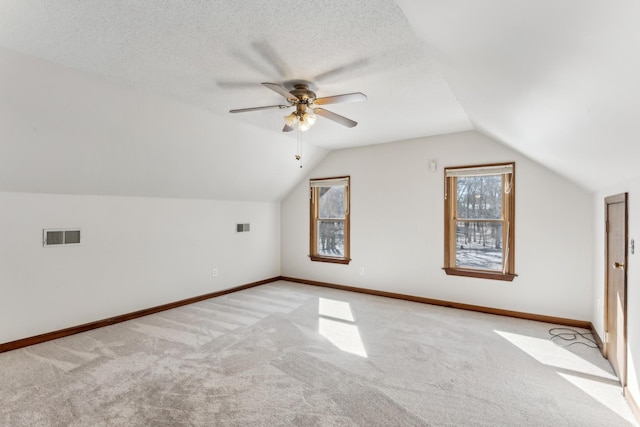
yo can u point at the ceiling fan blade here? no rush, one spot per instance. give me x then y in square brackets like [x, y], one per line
[335, 117]
[288, 128]
[267, 107]
[237, 85]
[282, 91]
[339, 99]
[346, 68]
[269, 54]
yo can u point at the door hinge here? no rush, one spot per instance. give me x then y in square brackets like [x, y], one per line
[606, 337]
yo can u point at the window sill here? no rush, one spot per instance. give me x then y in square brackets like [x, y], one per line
[507, 277]
[330, 259]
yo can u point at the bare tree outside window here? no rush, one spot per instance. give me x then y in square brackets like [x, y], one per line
[331, 221]
[479, 243]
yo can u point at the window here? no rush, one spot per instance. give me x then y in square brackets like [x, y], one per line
[479, 221]
[329, 225]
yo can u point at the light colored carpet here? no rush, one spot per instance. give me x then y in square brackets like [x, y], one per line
[286, 354]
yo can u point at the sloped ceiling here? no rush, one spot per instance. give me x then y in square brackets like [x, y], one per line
[555, 79]
[132, 98]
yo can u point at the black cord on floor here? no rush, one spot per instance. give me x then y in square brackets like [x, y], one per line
[571, 337]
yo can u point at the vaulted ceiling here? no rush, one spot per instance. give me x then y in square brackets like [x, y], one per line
[132, 98]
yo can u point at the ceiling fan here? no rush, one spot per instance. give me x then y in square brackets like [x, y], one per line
[304, 99]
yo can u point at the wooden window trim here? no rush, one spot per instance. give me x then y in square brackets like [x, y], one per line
[313, 218]
[481, 274]
[334, 260]
[450, 219]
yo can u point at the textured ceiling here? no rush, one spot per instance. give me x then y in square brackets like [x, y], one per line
[144, 87]
[214, 54]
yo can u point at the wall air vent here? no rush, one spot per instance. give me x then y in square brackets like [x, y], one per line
[243, 228]
[60, 237]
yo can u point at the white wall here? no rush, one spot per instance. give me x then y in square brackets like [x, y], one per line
[397, 228]
[135, 253]
[633, 275]
[68, 132]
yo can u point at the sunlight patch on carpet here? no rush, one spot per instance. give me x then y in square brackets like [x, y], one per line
[548, 353]
[602, 391]
[590, 379]
[336, 324]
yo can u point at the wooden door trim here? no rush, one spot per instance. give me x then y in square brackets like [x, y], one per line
[615, 199]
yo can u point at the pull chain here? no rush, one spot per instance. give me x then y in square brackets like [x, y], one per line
[299, 148]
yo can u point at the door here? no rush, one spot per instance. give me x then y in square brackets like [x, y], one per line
[615, 348]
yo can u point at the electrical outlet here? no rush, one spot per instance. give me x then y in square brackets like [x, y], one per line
[215, 272]
[362, 271]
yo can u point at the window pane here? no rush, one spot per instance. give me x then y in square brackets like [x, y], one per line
[479, 245]
[331, 202]
[480, 197]
[331, 238]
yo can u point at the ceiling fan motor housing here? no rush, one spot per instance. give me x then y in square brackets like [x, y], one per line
[303, 93]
